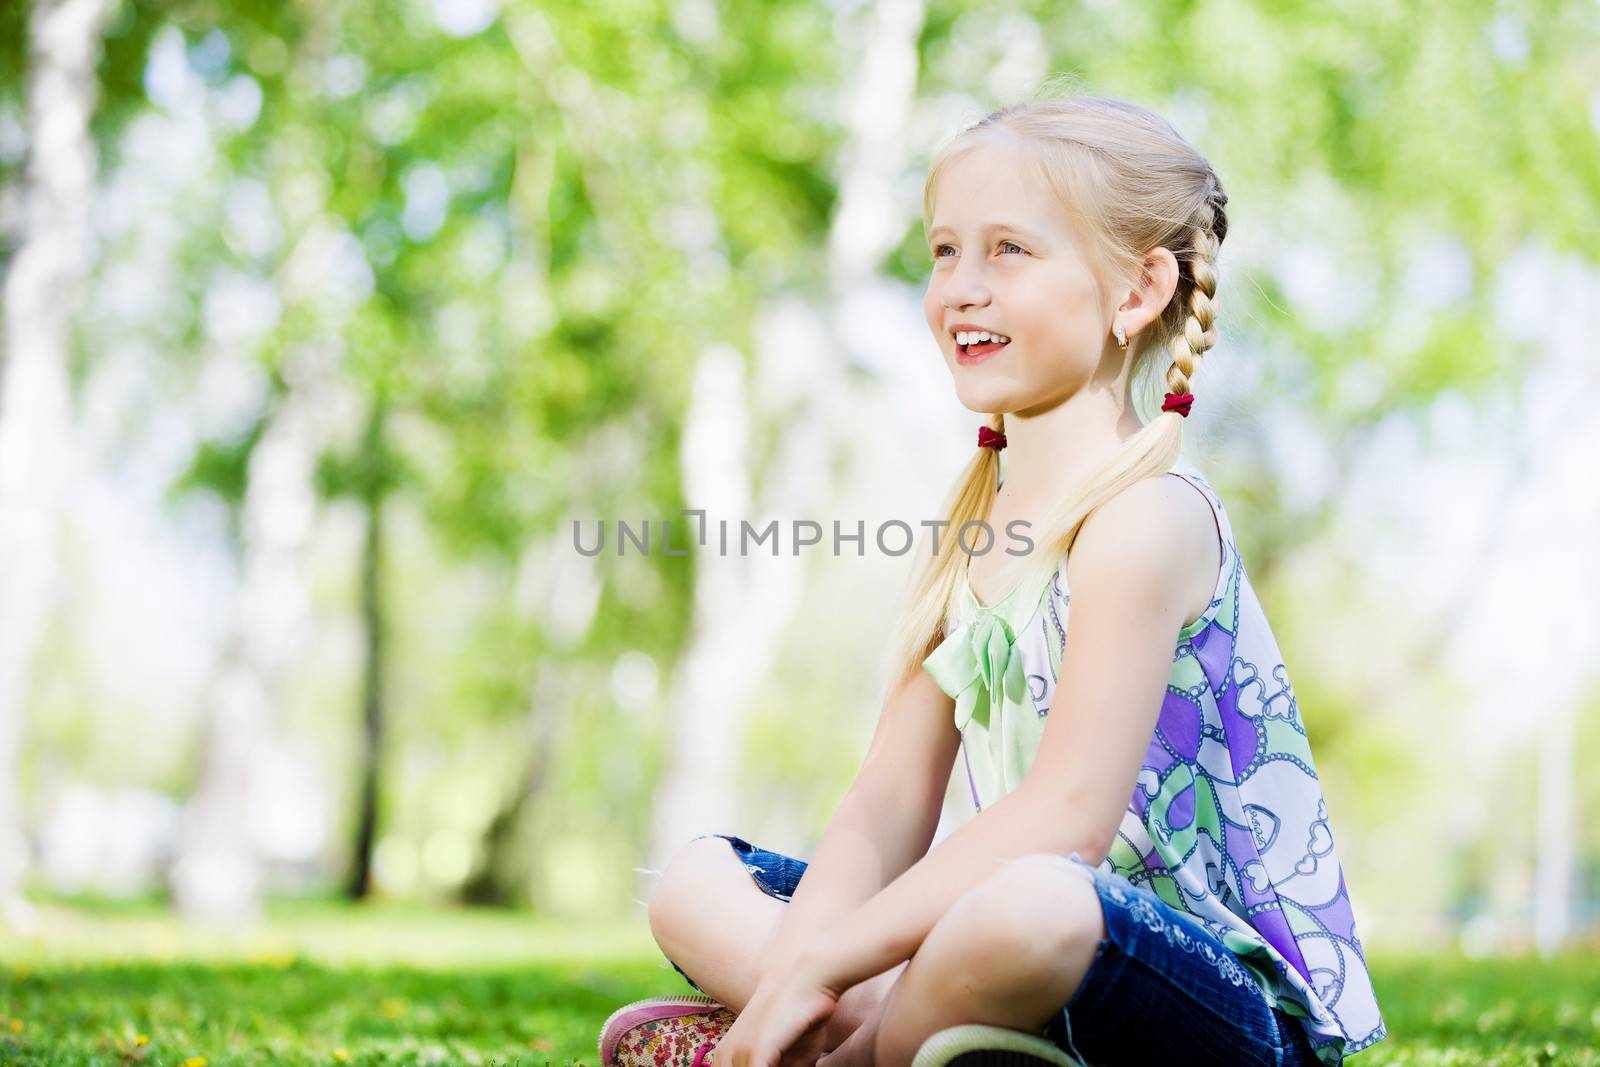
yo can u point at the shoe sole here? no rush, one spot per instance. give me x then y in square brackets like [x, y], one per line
[978, 1045]
[628, 1016]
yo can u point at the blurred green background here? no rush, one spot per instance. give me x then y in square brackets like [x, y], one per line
[325, 323]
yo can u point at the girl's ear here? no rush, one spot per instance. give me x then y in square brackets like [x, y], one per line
[1158, 281]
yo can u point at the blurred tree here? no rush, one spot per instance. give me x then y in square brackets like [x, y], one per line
[532, 241]
[369, 478]
[267, 477]
[41, 289]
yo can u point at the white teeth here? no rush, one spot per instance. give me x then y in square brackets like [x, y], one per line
[963, 337]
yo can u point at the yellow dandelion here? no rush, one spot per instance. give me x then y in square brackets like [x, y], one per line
[341, 1055]
[16, 1026]
[195, 1061]
[141, 1040]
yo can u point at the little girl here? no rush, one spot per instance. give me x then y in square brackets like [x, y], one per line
[1149, 874]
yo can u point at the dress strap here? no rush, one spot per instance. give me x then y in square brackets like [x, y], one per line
[1218, 512]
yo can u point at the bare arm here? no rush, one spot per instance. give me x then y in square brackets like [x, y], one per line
[885, 822]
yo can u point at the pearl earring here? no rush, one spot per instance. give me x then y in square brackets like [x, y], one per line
[1122, 339]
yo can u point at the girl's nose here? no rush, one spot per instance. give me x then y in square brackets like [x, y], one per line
[965, 292]
[964, 287]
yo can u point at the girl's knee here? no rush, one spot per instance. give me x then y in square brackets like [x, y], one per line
[1024, 918]
[683, 882]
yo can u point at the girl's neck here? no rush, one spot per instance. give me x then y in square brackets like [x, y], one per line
[1049, 451]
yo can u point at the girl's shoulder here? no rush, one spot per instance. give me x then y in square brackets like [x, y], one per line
[1152, 512]
[1208, 543]
[1219, 512]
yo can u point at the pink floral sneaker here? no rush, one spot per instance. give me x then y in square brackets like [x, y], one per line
[677, 1031]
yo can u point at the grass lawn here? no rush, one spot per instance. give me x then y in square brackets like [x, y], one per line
[324, 984]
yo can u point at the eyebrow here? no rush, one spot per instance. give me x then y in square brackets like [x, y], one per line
[1010, 227]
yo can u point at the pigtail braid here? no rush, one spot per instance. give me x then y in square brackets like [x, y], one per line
[1199, 327]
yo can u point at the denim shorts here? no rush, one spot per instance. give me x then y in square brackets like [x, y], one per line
[1161, 988]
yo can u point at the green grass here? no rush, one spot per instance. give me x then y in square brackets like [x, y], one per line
[319, 983]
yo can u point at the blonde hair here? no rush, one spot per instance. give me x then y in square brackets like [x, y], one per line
[1129, 183]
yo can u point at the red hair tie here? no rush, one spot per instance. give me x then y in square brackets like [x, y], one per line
[988, 438]
[1178, 402]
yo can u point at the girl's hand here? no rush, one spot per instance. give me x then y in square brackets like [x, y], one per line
[784, 1025]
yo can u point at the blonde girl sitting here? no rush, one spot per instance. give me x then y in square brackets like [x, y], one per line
[1149, 873]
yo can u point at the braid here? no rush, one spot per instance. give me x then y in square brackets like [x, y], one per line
[1198, 332]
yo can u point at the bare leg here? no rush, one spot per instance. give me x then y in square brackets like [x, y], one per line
[710, 918]
[1009, 953]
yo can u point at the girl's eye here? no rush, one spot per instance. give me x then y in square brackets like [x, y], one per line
[939, 251]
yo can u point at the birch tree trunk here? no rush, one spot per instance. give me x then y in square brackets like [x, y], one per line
[559, 589]
[64, 39]
[743, 604]
[218, 874]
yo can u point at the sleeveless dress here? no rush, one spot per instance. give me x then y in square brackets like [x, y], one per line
[1227, 821]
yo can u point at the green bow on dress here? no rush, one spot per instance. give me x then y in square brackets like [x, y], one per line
[978, 664]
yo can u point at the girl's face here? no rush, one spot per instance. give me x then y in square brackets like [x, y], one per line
[1006, 260]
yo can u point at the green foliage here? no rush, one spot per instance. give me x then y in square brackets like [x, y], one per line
[222, 467]
[368, 472]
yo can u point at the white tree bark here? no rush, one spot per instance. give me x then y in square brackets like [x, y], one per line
[42, 288]
[743, 604]
[732, 634]
[218, 874]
